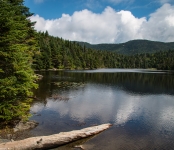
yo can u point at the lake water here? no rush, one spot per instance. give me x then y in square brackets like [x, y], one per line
[139, 104]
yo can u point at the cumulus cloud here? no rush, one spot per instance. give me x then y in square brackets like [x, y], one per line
[160, 25]
[111, 26]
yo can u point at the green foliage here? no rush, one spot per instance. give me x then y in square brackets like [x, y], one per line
[132, 47]
[15, 110]
[63, 54]
[17, 46]
[160, 60]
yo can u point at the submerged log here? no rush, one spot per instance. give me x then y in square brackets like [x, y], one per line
[52, 141]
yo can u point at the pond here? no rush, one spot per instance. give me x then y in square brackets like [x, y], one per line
[139, 104]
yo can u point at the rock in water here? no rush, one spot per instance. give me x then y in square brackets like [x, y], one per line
[21, 126]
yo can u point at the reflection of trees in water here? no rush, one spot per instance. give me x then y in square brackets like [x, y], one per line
[147, 83]
[133, 82]
[53, 83]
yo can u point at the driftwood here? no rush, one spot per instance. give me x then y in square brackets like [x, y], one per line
[52, 141]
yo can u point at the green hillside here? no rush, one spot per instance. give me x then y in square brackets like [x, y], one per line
[58, 53]
[132, 47]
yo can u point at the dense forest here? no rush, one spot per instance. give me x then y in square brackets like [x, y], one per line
[58, 53]
[23, 50]
[132, 47]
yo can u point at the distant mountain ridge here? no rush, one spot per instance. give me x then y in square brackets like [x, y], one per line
[132, 47]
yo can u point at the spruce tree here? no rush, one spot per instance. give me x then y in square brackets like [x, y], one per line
[17, 46]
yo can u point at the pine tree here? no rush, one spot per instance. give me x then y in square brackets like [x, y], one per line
[17, 46]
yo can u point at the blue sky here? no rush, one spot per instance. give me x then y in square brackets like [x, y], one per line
[52, 9]
[105, 21]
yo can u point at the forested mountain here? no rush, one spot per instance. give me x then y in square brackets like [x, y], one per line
[63, 54]
[132, 47]
[58, 53]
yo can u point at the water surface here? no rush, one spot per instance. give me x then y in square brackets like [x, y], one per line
[139, 104]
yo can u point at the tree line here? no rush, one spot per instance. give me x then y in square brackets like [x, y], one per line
[132, 47]
[58, 53]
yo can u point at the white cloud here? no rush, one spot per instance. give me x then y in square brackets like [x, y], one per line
[160, 25]
[111, 26]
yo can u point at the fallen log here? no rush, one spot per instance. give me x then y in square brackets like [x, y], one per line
[52, 141]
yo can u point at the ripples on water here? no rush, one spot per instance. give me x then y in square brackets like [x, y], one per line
[139, 104]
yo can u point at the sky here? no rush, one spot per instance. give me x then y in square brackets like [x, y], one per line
[105, 21]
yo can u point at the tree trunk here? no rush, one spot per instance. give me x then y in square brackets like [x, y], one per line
[52, 141]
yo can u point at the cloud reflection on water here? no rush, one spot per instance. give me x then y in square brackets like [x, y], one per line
[139, 104]
[106, 104]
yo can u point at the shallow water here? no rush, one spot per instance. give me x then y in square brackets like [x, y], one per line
[139, 104]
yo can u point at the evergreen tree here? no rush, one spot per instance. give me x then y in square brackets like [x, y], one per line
[17, 46]
[63, 54]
